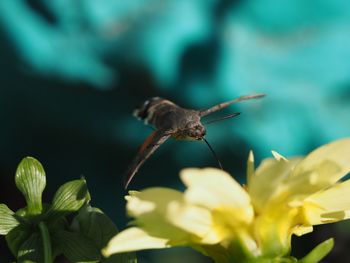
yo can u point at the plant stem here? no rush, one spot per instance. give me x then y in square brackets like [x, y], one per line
[46, 242]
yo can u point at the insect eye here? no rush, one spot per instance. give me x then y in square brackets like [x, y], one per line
[199, 131]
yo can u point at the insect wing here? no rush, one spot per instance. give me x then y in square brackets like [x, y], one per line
[147, 148]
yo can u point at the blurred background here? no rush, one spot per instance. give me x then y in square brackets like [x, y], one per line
[73, 71]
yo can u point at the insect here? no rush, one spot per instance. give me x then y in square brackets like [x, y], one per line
[171, 120]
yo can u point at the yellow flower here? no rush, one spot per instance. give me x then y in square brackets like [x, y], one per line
[213, 209]
[220, 218]
[290, 196]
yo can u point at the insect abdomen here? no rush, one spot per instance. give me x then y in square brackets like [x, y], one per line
[152, 108]
[143, 111]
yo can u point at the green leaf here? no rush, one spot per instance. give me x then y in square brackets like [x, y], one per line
[76, 247]
[94, 224]
[319, 252]
[69, 198]
[31, 249]
[16, 237]
[8, 220]
[31, 181]
[57, 224]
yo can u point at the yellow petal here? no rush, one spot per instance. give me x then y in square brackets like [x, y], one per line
[268, 184]
[302, 230]
[151, 211]
[151, 199]
[322, 168]
[137, 206]
[273, 229]
[333, 199]
[278, 156]
[250, 167]
[195, 220]
[133, 239]
[215, 189]
[331, 205]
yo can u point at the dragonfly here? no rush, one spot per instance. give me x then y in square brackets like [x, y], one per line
[171, 120]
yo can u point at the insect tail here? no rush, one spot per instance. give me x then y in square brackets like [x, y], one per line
[214, 154]
[225, 104]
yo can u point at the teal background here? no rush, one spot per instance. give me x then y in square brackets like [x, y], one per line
[71, 73]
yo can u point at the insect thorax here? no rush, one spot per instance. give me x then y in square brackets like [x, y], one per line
[193, 130]
[165, 115]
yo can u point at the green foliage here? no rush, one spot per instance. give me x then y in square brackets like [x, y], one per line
[69, 198]
[314, 256]
[31, 249]
[40, 232]
[319, 252]
[76, 247]
[7, 219]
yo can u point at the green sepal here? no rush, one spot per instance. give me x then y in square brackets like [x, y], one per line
[31, 249]
[16, 237]
[69, 198]
[8, 220]
[76, 247]
[31, 181]
[319, 252]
